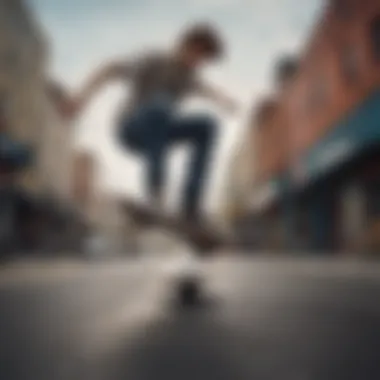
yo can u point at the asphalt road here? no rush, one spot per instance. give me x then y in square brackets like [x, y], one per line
[265, 319]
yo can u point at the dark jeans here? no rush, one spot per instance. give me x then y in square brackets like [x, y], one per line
[153, 129]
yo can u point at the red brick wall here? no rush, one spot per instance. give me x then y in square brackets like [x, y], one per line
[271, 142]
[321, 94]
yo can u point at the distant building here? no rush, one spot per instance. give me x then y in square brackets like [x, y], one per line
[57, 145]
[83, 182]
[101, 210]
[27, 94]
[318, 152]
[33, 104]
[271, 149]
[110, 223]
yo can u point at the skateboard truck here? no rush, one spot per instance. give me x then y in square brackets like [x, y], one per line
[201, 237]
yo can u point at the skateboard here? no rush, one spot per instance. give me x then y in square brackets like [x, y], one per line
[202, 237]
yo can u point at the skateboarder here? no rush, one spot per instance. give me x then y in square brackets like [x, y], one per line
[151, 124]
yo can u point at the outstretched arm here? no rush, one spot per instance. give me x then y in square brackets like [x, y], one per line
[217, 96]
[105, 74]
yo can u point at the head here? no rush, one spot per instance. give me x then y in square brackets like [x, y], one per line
[200, 45]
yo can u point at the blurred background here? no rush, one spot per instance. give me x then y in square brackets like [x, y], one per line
[297, 171]
[295, 182]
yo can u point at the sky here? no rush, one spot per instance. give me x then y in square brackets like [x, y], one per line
[84, 33]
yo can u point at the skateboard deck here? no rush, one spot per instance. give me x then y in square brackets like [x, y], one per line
[201, 236]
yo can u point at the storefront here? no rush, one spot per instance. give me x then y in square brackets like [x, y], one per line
[267, 225]
[334, 203]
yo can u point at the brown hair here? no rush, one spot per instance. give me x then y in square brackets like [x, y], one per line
[205, 37]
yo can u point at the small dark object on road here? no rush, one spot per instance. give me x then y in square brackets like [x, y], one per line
[204, 238]
[189, 292]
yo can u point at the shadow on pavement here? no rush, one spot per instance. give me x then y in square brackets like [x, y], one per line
[189, 345]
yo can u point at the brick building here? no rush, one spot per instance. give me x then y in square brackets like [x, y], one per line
[318, 147]
[269, 131]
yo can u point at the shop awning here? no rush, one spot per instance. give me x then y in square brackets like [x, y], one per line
[358, 131]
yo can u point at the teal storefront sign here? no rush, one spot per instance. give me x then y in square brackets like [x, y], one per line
[358, 131]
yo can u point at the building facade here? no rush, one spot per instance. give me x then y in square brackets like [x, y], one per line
[83, 181]
[319, 150]
[101, 210]
[34, 104]
[334, 136]
[240, 177]
[57, 146]
[111, 225]
[271, 152]
[238, 189]
[32, 110]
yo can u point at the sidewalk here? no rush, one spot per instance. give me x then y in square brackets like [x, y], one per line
[35, 269]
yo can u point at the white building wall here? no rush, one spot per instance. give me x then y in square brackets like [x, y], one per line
[32, 116]
[22, 63]
[56, 154]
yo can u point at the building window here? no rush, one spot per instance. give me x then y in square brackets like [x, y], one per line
[350, 63]
[375, 38]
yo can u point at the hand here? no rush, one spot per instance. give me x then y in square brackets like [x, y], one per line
[219, 98]
[69, 109]
[231, 106]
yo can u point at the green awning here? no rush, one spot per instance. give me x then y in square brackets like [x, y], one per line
[358, 131]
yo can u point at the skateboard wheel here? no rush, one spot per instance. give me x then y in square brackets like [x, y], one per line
[189, 292]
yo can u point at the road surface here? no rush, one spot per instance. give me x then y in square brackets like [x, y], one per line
[267, 319]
